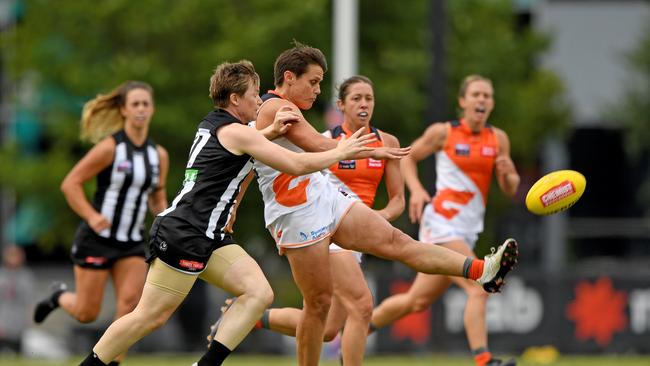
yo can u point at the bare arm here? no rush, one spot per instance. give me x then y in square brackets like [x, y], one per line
[158, 198]
[505, 170]
[394, 183]
[305, 136]
[240, 196]
[283, 120]
[431, 141]
[96, 160]
[239, 140]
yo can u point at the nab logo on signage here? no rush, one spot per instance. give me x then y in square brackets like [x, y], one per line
[519, 309]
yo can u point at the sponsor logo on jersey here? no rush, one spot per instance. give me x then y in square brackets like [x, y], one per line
[279, 234]
[375, 164]
[488, 151]
[162, 246]
[125, 167]
[319, 233]
[557, 193]
[98, 261]
[347, 164]
[190, 175]
[191, 265]
[303, 236]
[462, 149]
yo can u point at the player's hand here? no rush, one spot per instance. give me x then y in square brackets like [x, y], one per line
[504, 165]
[98, 222]
[417, 202]
[391, 153]
[285, 117]
[349, 148]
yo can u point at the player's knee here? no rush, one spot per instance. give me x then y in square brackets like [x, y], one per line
[263, 295]
[319, 304]
[330, 334]
[420, 304]
[363, 307]
[476, 293]
[86, 315]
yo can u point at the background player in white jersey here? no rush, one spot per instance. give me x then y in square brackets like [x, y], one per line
[352, 301]
[131, 171]
[466, 153]
[304, 213]
[190, 238]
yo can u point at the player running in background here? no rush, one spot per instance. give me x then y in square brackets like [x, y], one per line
[304, 213]
[131, 171]
[467, 151]
[352, 301]
[191, 240]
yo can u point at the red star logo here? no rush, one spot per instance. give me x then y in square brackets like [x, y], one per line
[414, 326]
[598, 311]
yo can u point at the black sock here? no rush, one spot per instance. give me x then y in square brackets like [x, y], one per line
[92, 360]
[466, 266]
[215, 355]
[55, 297]
[480, 350]
[265, 319]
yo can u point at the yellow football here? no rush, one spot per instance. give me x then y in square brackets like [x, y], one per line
[555, 192]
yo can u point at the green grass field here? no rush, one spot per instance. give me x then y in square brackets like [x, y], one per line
[420, 360]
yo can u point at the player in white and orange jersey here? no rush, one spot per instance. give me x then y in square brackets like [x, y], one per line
[467, 151]
[304, 213]
[352, 301]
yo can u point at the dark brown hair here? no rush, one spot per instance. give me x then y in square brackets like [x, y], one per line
[231, 78]
[297, 60]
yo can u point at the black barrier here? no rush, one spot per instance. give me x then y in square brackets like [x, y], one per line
[574, 313]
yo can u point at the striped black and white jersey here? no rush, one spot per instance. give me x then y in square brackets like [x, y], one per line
[123, 188]
[213, 177]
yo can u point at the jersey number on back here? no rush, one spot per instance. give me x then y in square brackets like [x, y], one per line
[287, 196]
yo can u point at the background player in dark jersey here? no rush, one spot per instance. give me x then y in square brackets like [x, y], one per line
[467, 152]
[190, 239]
[352, 301]
[131, 171]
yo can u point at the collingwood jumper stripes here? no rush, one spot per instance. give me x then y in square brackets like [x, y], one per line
[213, 177]
[124, 187]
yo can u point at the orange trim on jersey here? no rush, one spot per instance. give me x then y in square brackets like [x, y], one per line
[450, 195]
[473, 153]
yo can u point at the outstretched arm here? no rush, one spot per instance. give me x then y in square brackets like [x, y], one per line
[305, 136]
[239, 140]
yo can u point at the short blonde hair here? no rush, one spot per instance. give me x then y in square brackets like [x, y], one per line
[101, 116]
[229, 78]
[468, 80]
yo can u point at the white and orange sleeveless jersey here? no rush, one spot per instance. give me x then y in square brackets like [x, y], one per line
[463, 173]
[284, 193]
[359, 178]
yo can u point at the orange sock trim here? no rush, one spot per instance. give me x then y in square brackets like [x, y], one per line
[475, 269]
[258, 325]
[482, 358]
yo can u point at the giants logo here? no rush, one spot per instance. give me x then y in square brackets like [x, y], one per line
[442, 200]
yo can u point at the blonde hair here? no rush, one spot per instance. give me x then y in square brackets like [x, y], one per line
[231, 78]
[468, 80]
[101, 116]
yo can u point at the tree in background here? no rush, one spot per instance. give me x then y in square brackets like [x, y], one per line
[74, 50]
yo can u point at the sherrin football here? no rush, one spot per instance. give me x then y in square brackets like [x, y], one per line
[555, 192]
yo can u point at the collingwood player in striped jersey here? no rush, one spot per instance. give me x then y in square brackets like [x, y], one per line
[131, 171]
[191, 239]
